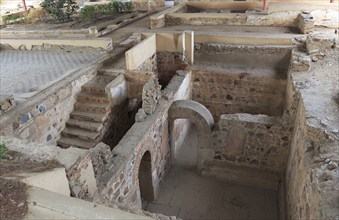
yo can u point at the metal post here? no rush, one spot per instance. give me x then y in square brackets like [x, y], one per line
[24, 3]
[265, 5]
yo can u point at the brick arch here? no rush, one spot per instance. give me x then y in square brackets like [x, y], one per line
[145, 178]
[201, 117]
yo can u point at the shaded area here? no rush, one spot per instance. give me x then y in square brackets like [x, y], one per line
[189, 196]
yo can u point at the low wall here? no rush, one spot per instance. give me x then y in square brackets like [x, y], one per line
[158, 20]
[43, 117]
[147, 5]
[279, 14]
[255, 141]
[249, 39]
[81, 33]
[121, 183]
[219, 5]
[141, 53]
[274, 19]
[230, 93]
[65, 45]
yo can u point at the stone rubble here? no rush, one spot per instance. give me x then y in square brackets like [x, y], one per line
[150, 95]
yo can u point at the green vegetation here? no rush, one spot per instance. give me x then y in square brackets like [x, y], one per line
[91, 12]
[11, 18]
[60, 9]
[3, 150]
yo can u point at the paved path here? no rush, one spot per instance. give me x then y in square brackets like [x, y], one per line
[29, 71]
[189, 196]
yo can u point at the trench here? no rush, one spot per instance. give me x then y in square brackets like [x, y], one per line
[187, 195]
[245, 90]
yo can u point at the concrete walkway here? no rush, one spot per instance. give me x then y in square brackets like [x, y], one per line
[189, 196]
[29, 71]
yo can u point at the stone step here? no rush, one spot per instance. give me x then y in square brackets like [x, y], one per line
[87, 125]
[93, 89]
[97, 84]
[89, 116]
[91, 107]
[70, 131]
[66, 142]
[93, 97]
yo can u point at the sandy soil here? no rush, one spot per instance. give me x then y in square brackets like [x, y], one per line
[320, 91]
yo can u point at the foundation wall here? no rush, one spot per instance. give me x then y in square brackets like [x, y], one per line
[302, 196]
[121, 184]
[42, 118]
[120, 120]
[279, 14]
[227, 93]
[168, 64]
[255, 141]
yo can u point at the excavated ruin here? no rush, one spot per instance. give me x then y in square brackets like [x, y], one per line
[183, 121]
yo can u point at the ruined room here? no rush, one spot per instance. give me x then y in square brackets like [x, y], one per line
[152, 109]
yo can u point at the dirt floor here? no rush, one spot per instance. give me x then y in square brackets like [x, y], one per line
[188, 195]
[13, 196]
[13, 192]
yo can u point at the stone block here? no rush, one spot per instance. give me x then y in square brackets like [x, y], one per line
[319, 42]
[305, 23]
[150, 95]
[6, 103]
[141, 115]
[93, 30]
[54, 180]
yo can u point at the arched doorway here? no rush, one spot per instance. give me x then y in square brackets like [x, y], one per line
[145, 179]
[201, 117]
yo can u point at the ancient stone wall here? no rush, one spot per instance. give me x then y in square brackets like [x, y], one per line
[43, 119]
[272, 19]
[168, 64]
[119, 121]
[311, 176]
[121, 184]
[256, 141]
[299, 179]
[229, 93]
[284, 17]
[136, 81]
[147, 5]
[150, 64]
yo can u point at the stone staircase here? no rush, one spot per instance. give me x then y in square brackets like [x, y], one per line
[85, 128]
